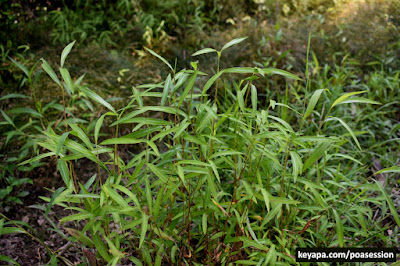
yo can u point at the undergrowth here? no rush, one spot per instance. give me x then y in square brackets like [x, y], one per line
[219, 176]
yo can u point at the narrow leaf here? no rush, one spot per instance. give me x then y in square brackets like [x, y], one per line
[50, 72]
[143, 229]
[94, 96]
[348, 129]
[339, 228]
[393, 169]
[344, 97]
[393, 209]
[313, 101]
[205, 51]
[65, 53]
[167, 84]
[233, 42]
[63, 168]
[159, 57]
[316, 154]
[20, 66]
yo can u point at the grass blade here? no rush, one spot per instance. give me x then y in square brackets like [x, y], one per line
[50, 72]
[339, 228]
[95, 97]
[143, 230]
[205, 51]
[166, 90]
[389, 201]
[344, 97]
[313, 101]
[65, 53]
[20, 66]
[348, 129]
[316, 154]
[159, 57]
[233, 42]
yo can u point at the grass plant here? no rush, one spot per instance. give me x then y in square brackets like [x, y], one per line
[217, 178]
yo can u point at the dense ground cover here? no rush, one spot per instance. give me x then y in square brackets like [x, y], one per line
[137, 146]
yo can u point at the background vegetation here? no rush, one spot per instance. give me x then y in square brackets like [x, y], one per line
[197, 132]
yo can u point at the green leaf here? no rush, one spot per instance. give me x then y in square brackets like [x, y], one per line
[316, 154]
[82, 136]
[189, 86]
[348, 129]
[253, 235]
[313, 101]
[11, 230]
[344, 97]
[211, 81]
[122, 140]
[204, 223]
[266, 199]
[39, 157]
[25, 110]
[194, 139]
[159, 57]
[67, 78]
[94, 96]
[167, 84]
[359, 100]
[143, 229]
[280, 72]
[9, 120]
[158, 172]
[215, 170]
[254, 97]
[205, 51]
[339, 228]
[61, 142]
[98, 125]
[50, 72]
[393, 209]
[80, 236]
[20, 66]
[65, 53]
[78, 217]
[233, 42]
[393, 169]
[8, 260]
[246, 262]
[297, 164]
[249, 243]
[14, 95]
[225, 153]
[240, 100]
[164, 109]
[101, 247]
[279, 200]
[240, 70]
[271, 256]
[63, 168]
[53, 197]
[115, 196]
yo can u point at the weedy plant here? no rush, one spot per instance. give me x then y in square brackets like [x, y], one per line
[25, 117]
[215, 180]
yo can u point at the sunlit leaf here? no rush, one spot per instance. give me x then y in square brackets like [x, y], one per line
[204, 51]
[65, 53]
[159, 57]
[233, 42]
[344, 97]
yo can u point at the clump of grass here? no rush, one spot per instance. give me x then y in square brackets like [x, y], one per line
[219, 179]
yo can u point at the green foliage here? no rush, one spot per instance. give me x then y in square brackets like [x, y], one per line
[216, 181]
[240, 166]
